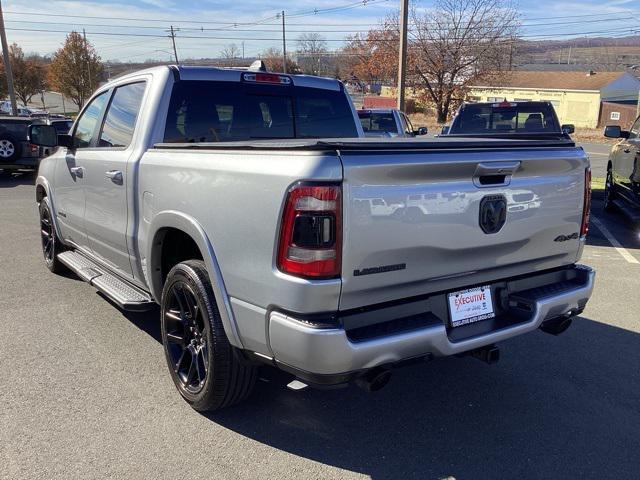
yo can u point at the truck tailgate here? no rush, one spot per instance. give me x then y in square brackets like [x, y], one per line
[413, 226]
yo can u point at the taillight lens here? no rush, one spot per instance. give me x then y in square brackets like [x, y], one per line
[586, 207]
[311, 232]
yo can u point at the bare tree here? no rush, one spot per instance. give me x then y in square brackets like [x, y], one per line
[273, 59]
[231, 52]
[312, 48]
[457, 43]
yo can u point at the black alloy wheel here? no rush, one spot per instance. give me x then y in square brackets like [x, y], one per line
[187, 346]
[206, 369]
[609, 192]
[51, 244]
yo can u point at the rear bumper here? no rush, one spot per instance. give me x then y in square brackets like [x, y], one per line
[392, 334]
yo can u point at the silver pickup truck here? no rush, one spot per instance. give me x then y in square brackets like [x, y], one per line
[241, 202]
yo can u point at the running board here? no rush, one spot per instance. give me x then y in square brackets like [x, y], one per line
[122, 293]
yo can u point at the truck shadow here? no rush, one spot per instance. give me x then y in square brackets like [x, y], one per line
[554, 407]
[565, 407]
[13, 179]
[617, 224]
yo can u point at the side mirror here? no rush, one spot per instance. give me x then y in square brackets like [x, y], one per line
[47, 136]
[614, 131]
[421, 131]
[445, 130]
[43, 135]
[568, 129]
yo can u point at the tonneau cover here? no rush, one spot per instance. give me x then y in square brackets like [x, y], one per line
[349, 144]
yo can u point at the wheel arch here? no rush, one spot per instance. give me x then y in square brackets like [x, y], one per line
[169, 223]
[43, 190]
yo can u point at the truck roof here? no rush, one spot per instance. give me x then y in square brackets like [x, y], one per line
[205, 73]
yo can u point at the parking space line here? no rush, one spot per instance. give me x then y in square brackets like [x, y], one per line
[614, 242]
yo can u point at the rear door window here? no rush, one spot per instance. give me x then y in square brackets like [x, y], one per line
[210, 111]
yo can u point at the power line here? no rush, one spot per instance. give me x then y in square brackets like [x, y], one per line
[631, 30]
[274, 17]
[201, 29]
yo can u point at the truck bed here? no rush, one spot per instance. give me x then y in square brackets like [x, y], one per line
[411, 208]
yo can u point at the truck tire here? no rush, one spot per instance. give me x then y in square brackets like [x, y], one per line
[51, 244]
[206, 369]
[609, 192]
[10, 148]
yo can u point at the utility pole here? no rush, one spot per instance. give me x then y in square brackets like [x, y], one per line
[243, 49]
[7, 65]
[173, 39]
[569, 57]
[402, 64]
[86, 57]
[284, 47]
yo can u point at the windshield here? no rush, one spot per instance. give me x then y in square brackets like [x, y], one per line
[377, 122]
[210, 111]
[505, 118]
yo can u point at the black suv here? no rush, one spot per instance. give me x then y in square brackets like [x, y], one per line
[622, 187]
[16, 153]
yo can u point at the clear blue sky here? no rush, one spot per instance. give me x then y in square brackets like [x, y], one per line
[134, 30]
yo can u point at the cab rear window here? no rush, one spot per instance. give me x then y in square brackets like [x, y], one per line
[506, 118]
[211, 111]
[377, 122]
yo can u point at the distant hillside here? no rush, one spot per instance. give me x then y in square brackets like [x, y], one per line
[598, 53]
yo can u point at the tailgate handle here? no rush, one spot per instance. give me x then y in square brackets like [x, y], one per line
[494, 173]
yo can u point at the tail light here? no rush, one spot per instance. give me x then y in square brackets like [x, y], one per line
[266, 78]
[311, 232]
[586, 207]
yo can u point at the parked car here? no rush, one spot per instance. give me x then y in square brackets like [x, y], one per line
[622, 186]
[23, 111]
[16, 152]
[234, 199]
[388, 122]
[508, 119]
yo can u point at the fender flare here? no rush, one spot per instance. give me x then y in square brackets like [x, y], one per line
[44, 183]
[189, 225]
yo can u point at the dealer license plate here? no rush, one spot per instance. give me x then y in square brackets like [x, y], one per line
[471, 305]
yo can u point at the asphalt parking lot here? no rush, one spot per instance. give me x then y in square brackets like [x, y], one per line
[599, 156]
[85, 392]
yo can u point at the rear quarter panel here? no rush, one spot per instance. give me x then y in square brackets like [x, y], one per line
[237, 197]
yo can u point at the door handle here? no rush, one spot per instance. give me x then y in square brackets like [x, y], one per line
[494, 173]
[115, 176]
[77, 171]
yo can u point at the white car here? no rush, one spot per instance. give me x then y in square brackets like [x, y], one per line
[23, 111]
